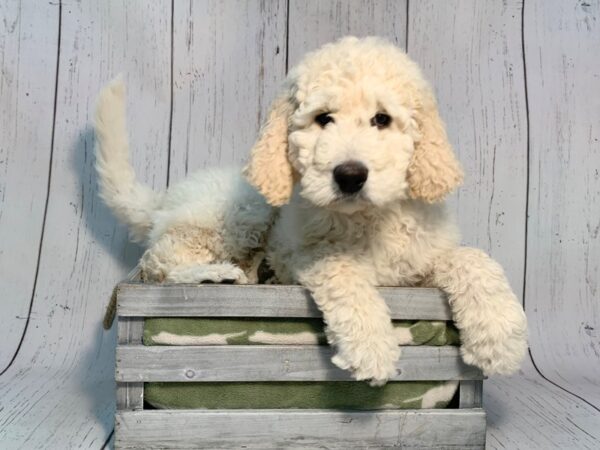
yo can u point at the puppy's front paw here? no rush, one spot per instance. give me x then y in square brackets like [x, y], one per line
[373, 359]
[498, 347]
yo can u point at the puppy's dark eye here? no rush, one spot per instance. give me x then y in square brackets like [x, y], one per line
[381, 120]
[323, 119]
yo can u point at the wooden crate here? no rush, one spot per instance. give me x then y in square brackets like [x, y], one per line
[462, 427]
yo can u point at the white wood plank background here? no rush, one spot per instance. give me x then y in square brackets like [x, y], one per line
[562, 47]
[25, 98]
[517, 85]
[471, 53]
[316, 22]
[228, 59]
[59, 392]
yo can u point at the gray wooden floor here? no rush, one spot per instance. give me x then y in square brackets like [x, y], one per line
[517, 82]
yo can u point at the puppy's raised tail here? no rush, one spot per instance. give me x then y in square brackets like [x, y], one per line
[132, 202]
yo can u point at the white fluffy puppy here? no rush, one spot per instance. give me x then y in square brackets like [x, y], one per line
[343, 196]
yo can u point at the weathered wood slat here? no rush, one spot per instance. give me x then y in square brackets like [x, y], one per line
[137, 299]
[130, 395]
[470, 393]
[130, 330]
[298, 429]
[274, 363]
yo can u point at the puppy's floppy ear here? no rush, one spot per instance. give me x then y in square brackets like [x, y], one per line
[433, 171]
[269, 169]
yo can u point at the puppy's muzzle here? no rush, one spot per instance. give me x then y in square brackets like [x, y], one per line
[350, 176]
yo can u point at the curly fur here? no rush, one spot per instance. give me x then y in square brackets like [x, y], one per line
[215, 226]
[433, 171]
[132, 202]
[269, 170]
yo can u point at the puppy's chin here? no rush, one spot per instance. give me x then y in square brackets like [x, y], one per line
[335, 203]
[349, 205]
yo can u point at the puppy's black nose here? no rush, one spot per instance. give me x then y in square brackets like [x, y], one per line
[350, 176]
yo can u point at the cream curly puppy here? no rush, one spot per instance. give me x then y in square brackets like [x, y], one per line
[342, 195]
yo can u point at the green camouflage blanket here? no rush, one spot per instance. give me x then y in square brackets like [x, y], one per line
[281, 331]
[312, 395]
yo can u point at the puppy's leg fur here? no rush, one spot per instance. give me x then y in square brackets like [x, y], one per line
[357, 317]
[203, 273]
[492, 324]
[189, 254]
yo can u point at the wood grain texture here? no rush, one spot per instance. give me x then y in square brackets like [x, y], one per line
[526, 412]
[316, 22]
[229, 58]
[471, 53]
[275, 363]
[297, 429]
[28, 42]
[138, 299]
[563, 239]
[130, 395]
[470, 393]
[60, 392]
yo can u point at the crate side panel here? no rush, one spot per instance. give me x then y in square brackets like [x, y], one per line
[151, 300]
[296, 429]
[137, 363]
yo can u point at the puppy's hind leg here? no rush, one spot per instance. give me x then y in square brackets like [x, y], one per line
[207, 273]
[190, 254]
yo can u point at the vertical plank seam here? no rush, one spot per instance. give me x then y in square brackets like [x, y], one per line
[527, 184]
[287, 37]
[527, 146]
[39, 257]
[170, 134]
[406, 28]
